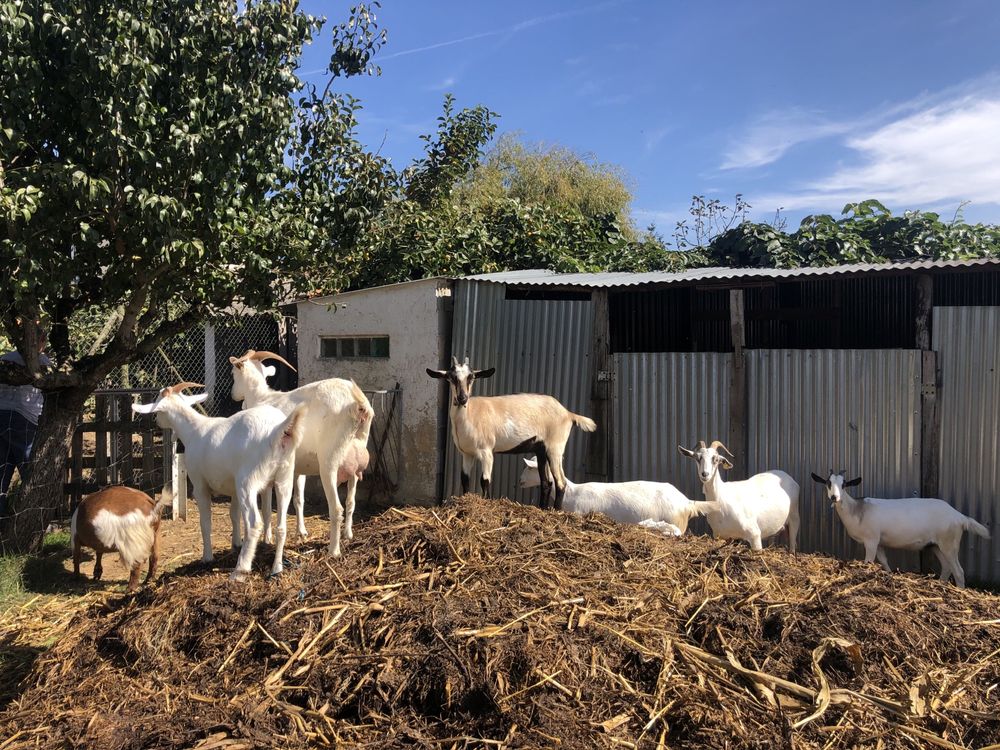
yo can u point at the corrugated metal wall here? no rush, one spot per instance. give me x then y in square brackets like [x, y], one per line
[816, 410]
[537, 346]
[807, 410]
[663, 400]
[969, 399]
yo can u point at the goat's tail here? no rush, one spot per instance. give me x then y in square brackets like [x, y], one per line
[971, 524]
[584, 423]
[365, 413]
[291, 430]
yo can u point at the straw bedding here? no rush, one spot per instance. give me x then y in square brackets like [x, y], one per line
[489, 624]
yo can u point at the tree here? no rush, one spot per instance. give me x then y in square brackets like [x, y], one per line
[867, 232]
[459, 211]
[164, 159]
[553, 176]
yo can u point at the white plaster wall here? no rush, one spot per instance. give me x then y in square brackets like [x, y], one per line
[411, 315]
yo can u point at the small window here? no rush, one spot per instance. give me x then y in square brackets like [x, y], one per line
[353, 347]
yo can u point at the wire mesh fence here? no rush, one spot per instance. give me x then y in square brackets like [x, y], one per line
[113, 445]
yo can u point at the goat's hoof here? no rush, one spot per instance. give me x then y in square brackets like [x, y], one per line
[269, 538]
[238, 575]
[335, 552]
[276, 573]
[303, 535]
[349, 536]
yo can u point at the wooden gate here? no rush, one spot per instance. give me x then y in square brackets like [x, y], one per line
[118, 446]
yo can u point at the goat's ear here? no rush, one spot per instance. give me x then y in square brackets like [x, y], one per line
[685, 452]
[269, 370]
[233, 360]
[144, 408]
[817, 478]
[853, 483]
[725, 463]
[531, 463]
[484, 373]
[437, 373]
[192, 400]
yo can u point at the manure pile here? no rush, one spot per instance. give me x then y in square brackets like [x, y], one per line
[488, 624]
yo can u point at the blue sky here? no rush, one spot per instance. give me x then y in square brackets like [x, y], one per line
[799, 105]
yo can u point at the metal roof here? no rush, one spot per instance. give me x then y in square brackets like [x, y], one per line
[542, 277]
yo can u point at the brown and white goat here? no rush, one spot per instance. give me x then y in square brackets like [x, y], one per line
[521, 423]
[122, 520]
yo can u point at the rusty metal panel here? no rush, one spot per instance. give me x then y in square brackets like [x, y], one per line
[815, 410]
[967, 340]
[537, 346]
[666, 399]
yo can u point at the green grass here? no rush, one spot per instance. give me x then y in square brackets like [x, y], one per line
[22, 576]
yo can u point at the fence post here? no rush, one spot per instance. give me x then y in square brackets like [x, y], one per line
[178, 479]
[210, 367]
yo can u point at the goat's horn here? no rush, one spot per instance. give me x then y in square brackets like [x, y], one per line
[466, 361]
[175, 389]
[454, 361]
[716, 444]
[260, 356]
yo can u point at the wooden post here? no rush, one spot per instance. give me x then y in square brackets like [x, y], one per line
[178, 477]
[930, 416]
[737, 442]
[599, 463]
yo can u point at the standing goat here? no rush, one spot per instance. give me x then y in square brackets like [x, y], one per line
[122, 520]
[522, 423]
[337, 414]
[625, 502]
[240, 456]
[752, 509]
[903, 523]
[355, 461]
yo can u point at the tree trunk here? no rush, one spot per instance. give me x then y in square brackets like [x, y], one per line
[42, 495]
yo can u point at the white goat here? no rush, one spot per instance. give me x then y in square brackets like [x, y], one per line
[522, 423]
[239, 456]
[338, 413]
[351, 470]
[752, 509]
[118, 519]
[625, 502]
[902, 523]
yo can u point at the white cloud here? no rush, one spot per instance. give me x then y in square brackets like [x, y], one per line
[652, 138]
[943, 153]
[775, 133]
[444, 84]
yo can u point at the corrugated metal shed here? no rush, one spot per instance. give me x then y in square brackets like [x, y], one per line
[969, 399]
[537, 347]
[699, 275]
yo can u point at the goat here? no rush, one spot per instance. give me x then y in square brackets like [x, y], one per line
[337, 413]
[752, 509]
[351, 470]
[521, 423]
[625, 502]
[239, 456]
[902, 523]
[122, 520]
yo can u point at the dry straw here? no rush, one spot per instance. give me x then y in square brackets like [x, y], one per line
[492, 625]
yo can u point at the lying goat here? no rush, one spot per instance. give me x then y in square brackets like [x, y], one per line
[122, 520]
[625, 502]
[902, 523]
[522, 423]
[752, 509]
